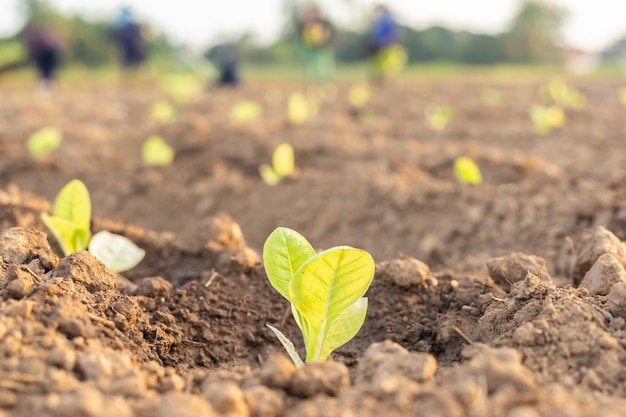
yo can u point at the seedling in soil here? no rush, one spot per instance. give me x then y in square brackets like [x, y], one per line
[359, 96]
[558, 92]
[162, 111]
[299, 110]
[467, 172]
[622, 95]
[437, 118]
[546, 118]
[70, 225]
[246, 111]
[70, 218]
[180, 88]
[283, 165]
[44, 141]
[156, 152]
[325, 291]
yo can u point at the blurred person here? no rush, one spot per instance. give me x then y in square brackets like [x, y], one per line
[228, 66]
[128, 38]
[316, 35]
[388, 56]
[44, 50]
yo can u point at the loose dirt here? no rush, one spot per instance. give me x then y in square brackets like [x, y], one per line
[505, 299]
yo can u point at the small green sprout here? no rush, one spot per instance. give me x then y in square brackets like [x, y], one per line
[359, 96]
[467, 172]
[70, 225]
[559, 92]
[622, 95]
[156, 152]
[180, 88]
[246, 111]
[546, 118]
[70, 218]
[162, 111]
[437, 118]
[298, 109]
[325, 291]
[44, 141]
[283, 165]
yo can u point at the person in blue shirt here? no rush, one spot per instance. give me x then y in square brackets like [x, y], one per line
[128, 38]
[388, 57]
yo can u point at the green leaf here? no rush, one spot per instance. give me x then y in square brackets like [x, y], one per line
[246, 111]
[284, 252]
[467, 172]
[324, 287]
[73, 204]
[162, 111]
[71, 218]
[63, 230]
[359, 95]
[288, 345]
[283, 160]
[117, 252]
[298, 109]
[157, 152]
[268, 175]
[44, 141]
[345, 327]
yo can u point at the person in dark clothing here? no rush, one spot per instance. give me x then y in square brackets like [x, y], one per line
[227, 63]
[127, 36]
[388, 57]
[44, 49]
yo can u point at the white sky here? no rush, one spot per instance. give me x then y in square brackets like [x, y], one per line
[592, 24]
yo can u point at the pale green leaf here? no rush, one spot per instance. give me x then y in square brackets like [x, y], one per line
[288, 345]
[283, 160]
[44, 141]
[117, 252]
[162, 111]
[63, 230]
[359, 95]
[467, 172]
[298, 110]
[284, 252]
[325, 286]
[345, 327]
[157, 152]
[268, 175]
[246, 111]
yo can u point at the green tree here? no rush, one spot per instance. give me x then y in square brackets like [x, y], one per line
[535, 32]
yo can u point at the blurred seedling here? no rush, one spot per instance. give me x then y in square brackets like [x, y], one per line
[163, 112]
[283, 165]
[359, 95]
[70, 225]
[559, 92]
[438, 117]
[245, 111]
[492, 97]
[467, 172]
[326, 291]
[545, 119]
[299, 110]
[156, 152]
[44, 141]
[180, 88]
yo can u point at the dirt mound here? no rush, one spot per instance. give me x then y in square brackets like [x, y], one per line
[186, 335]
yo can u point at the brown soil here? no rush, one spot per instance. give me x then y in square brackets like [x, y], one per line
[491, 331]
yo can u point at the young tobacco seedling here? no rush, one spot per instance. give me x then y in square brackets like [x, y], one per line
[437, 118]
[299, 110]
[359, 96]
[325, 291]
[246, 111]
[546, 118]
[467, 172]
[44, 141]
[70, 218]
[283, 165]
[162, 111]
[156, 152]
[70, 224]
